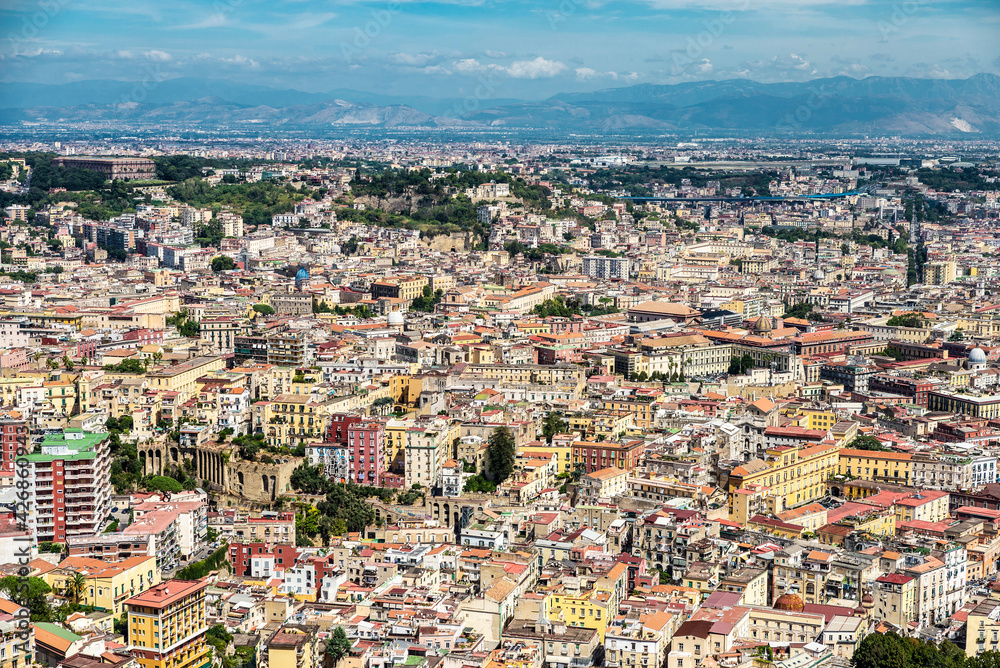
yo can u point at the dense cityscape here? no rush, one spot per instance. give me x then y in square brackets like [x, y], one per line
[498, 402]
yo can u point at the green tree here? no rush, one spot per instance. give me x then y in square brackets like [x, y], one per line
[880, 651]
[477, 484]
[161, 483]
[31, 593]
[907, 320]
[500, 453]
[427, 300]
[223, 263]
[75, 586]
[868, 443]
[338, 645]
[263, 309]
[552, 425]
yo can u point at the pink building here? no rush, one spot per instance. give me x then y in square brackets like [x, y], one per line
[366, 452]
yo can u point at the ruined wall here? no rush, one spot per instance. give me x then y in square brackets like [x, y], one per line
[260, 482]
[459, 242]
[221, 472]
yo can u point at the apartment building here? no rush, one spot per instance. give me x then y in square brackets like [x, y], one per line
[107, 585]
[896, 467]
[606, 268]
[428, 447]
[366, 453]
[69, 485]
[167, 626]
[795, 476]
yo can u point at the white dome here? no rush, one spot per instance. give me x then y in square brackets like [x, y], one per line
[977, 356]
[395, 318]
[819, 275]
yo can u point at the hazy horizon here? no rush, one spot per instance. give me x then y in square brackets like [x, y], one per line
[526, 50]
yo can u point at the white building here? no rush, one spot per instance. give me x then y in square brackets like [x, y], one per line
[598, 266]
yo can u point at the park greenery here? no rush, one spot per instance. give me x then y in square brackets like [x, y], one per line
[868, 443]
[427, 300]
[223, 263]
[200, 569]
[345, 507]
[257, 202]
[263, 309]
[889, 650]
[803, 311]
[916, 320]
[560, 307]
[740, 365]
[184, 324]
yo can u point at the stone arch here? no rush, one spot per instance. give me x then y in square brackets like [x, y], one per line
[263, 480]
[174, 455]
[239, 478]
[142, 462]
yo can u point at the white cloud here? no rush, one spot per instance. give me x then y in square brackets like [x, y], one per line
[468, 66]
[539, 68]
[239, 60]
[158, 56]
[584, 73]
[412, 59]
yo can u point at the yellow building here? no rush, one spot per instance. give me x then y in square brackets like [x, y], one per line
[941, 272]
[594, 608]
[795, 476]
[400, 287]
[108, 585]
[291, 647]
[894, 467]
[983, 628]
[643, 412]
[291, 418]
[817, 419]
[562, 449]
[167, 626]
[183, 377]
[609, 424]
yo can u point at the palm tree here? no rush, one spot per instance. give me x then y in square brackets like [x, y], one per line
[75, 586]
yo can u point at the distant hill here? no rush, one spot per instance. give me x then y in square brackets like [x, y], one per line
[840, 105]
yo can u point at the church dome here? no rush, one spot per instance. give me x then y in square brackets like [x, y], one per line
[302, 274]
[790, 602]
[395, 319]
[977, 356]
[819, 275]
[764, 325]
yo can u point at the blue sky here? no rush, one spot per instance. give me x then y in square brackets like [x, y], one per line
[493, 48]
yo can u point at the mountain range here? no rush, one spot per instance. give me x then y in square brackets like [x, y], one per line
[836, 106]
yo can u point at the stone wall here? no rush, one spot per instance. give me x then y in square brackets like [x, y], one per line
[459, 242]
[222, 472]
